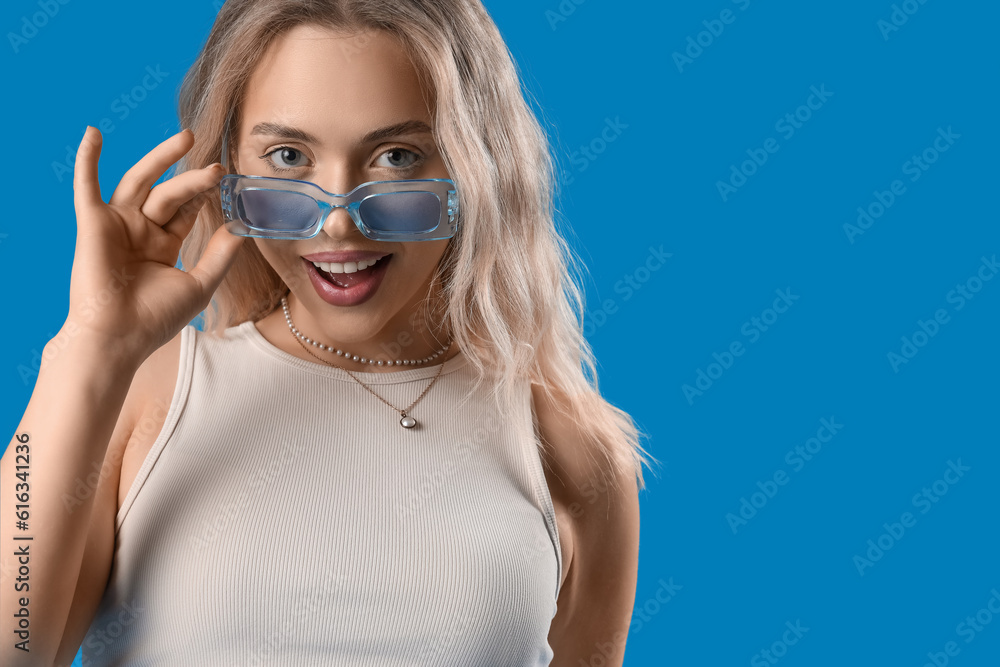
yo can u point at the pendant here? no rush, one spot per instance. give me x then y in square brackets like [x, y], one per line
[407, 422]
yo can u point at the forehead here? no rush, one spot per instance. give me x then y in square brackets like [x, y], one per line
[339, 81]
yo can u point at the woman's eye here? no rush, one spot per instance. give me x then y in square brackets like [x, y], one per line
[398, 158]
[285, 157]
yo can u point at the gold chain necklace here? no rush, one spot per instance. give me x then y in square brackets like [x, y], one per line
[405, 420]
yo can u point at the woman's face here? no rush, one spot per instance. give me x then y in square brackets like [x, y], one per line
[310, 106]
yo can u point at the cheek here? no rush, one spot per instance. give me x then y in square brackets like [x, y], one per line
[419, 266]
[285, 262]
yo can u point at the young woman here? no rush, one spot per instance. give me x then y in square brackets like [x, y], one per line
[383, 449]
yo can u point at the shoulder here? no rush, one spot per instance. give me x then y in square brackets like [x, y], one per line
[572, 454]
[156, 377]
[151, 382]
[153, 379]
[148, 402]
[602, 511]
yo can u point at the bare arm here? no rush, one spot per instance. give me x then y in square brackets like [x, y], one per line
[595, 606]
[61, 440]
[596, 600]
[142, 415]
[127, 299]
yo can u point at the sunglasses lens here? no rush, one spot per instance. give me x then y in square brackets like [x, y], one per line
[411, 212]
[274, 210]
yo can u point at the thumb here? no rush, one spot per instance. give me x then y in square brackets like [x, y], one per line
[219, 255]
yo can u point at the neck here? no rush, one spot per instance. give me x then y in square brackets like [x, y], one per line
[405, 338]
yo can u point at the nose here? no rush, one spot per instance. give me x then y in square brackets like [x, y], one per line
[338, 181]
[340, 225]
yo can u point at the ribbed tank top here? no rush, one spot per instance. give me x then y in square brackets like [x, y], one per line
[284, 517]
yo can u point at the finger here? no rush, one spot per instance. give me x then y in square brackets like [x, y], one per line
[182, 222]
[86, 187]
[218, 257]
[163, 201]
[135, 184]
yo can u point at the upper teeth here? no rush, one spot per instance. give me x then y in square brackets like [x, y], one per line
[346, 267]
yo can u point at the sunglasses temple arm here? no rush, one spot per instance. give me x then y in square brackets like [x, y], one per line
[225, 142]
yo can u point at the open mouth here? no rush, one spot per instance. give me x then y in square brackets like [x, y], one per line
[347, 280]
[347, 289]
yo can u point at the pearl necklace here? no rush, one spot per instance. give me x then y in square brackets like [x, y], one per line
[354, 357]
[406, 421]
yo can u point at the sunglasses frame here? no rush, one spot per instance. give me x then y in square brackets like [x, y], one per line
[233, 184]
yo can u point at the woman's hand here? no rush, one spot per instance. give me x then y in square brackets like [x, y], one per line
[124, 288]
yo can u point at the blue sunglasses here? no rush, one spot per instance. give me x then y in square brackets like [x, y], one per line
[284, 208]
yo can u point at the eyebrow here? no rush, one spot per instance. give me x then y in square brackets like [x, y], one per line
[288, 132]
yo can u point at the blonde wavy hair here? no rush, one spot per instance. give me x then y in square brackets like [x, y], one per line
[515, 319]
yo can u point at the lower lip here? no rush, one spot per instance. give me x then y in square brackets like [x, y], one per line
[347, 296]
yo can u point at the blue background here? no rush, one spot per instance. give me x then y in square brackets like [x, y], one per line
[655, 185]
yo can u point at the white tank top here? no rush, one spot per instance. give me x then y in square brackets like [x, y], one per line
[283, 516]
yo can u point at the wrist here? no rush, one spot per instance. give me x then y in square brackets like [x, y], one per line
[81, 347]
